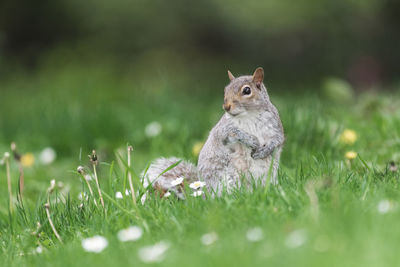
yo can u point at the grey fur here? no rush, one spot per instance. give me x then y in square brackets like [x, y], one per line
[162, 182]
[246, 142]
[222, 164]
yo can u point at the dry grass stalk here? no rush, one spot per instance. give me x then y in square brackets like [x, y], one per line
[130, 149]
[81, 171]
[17, 157]
[94, 160]
[47, 207]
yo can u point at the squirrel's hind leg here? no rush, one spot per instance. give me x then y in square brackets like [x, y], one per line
[169, 181]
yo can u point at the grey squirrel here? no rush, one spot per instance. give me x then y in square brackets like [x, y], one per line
[245, 144]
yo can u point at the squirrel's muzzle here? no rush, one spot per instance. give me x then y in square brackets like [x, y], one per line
[227, 106]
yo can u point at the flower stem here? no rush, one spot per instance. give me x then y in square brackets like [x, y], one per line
[80, 171]
[47, 206]
[98, 185]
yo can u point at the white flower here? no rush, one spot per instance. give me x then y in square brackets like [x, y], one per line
[153, 253]
[167, 194]
[127, 192]
[95, 244]
[177, 181]
[197, 185]
[296, 239]
[118, 195]
[209, 238]
[39, 249]
[153, 129]
[197, 193]
[384, 206]
[83, 196]
[47, 156]
[132, 233]
[254, 234]
[88, 177]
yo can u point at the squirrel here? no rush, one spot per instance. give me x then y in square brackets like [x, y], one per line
[245, 143]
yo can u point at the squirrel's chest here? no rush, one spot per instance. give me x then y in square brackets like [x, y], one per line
[260, 125]
[241, 154]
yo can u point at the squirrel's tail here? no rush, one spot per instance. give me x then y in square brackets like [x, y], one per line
[169, 175]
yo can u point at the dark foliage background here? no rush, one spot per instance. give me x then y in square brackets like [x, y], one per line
[298, 42]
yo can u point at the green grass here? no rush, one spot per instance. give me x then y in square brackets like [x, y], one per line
[331, 202]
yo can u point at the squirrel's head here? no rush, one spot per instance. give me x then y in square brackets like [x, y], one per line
[245, 93]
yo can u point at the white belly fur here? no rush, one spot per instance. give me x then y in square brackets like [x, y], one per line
[242, 156]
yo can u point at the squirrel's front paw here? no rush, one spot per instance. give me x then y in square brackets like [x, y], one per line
[259, 153]
[253, 142]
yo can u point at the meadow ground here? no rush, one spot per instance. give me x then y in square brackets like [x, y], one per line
[328, 209]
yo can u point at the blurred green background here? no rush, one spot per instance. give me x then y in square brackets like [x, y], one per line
[92, 72]
[297, 42]
[83, 75]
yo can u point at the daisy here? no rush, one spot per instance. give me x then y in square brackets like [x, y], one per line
[47, 156]
[39, 249]
[384, 206]
[296, 239]
[155, 253]
[196, 185]
[209, 238]
[95, 244]
[177, 181]
[132, 233]
[254, 234]
[153, 129]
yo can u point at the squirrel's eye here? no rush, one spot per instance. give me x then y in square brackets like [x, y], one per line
[246, 90]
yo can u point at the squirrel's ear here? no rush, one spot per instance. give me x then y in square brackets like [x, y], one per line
[258, 76]
[230, 75]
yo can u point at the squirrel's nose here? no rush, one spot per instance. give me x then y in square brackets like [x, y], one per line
[227, 107]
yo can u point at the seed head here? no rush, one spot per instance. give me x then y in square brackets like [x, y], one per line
[52, 186]
[80, 170]
[93, 158]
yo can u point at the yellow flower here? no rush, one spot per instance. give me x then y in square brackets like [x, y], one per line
[350, 155]
[348, 137]
[27, 160]
[197, 148]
